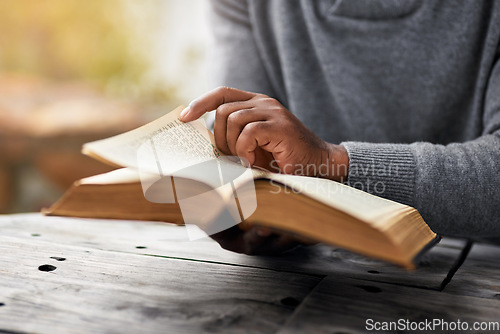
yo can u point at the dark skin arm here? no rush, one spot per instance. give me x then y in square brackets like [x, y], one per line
[261, 130]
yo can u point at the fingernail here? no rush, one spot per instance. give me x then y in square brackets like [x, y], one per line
[244, 162]
[184, 113]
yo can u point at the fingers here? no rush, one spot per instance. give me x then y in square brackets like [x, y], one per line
[255, 241]
[212, 100]
[241, 125]
[230, 119]
[271, 244]
[237, 121]
[230, 239]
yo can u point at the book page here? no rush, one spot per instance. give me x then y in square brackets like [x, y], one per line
[163, 147]
[169, 147]
[117, 176]
[354, 202]
[179, 143]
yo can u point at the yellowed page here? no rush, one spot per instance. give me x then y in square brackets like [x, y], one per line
[118, 176]
[354, 202]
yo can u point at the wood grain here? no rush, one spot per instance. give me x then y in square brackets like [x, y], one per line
[171, 241]
[343, 305]
[94, 291]
[69, 275]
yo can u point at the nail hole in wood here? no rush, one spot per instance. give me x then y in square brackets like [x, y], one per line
[497, 296]
[57, 258]
[2, 304]
[290, 301]
[35, 234]
[370, 288]
[47, 267]
[140, 247]
[373, 272]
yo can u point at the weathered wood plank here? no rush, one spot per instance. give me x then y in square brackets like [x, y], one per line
[480, 274]
[171, 241]
[344, 306]
[94, 291]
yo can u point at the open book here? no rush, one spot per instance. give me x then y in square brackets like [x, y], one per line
[174, 173]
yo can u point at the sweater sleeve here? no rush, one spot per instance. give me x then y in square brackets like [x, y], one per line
[455, 187]
[234, 58]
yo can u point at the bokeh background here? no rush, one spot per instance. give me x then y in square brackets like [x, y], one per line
[73, 71]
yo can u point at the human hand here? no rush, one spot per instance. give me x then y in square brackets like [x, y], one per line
[261, 130]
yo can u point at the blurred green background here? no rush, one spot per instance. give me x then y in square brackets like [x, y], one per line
[72, 71]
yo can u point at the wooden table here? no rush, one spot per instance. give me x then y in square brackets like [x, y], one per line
[65, 275]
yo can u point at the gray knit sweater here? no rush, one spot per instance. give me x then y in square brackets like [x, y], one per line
[411, 88]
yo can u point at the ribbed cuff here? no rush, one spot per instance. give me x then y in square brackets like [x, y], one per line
[385, 170]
